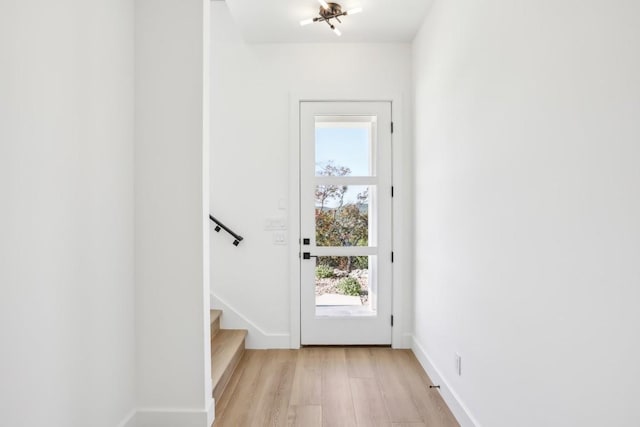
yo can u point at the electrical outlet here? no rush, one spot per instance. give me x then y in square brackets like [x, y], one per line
[458, 364]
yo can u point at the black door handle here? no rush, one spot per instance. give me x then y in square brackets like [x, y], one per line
[307, 255]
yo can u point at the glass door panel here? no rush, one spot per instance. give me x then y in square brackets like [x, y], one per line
[346, 223]
[342, 214]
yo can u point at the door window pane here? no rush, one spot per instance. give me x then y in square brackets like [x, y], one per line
[343, 215]
[343, 148]
[345, 286]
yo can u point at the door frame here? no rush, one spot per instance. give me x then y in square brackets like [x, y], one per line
[402, 240]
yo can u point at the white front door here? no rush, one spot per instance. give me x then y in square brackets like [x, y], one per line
[345, 223]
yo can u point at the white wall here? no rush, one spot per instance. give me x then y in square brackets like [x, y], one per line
[527, 207]
[171, 172]
[251, 87]
[66, 213]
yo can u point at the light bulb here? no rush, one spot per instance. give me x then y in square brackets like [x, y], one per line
[324, 4]
[306, 22]
[354, 11]
[337, 31]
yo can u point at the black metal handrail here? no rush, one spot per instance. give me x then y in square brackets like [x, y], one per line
[220, 226]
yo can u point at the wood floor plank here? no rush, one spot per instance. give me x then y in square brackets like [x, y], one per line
[307, 382]
[411, 425]
[266, 390]
[360, 362]
[337, 403]
[368, 403]
[396, 396]
[305, 416]
[280, 371]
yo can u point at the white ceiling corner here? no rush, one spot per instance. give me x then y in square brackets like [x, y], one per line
[278, 21]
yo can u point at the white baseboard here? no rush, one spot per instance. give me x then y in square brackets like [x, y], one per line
[459, 410]
[163, 417]
[257, 338]
[172, 418]
[407, 340]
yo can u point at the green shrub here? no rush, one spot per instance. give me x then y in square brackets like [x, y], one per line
[350, 286]
[324, 272]
[361, 262]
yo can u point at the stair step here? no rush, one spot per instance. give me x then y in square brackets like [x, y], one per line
[215, 321]
[227, 347]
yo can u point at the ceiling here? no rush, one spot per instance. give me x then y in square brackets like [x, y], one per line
[278, 21]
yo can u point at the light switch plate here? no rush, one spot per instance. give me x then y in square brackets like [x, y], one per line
[275, 223]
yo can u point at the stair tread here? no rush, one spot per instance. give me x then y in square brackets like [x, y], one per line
[224, 346]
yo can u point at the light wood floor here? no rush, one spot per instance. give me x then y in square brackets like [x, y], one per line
[331, 387]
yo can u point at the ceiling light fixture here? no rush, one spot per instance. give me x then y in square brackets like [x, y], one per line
[329, 11]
